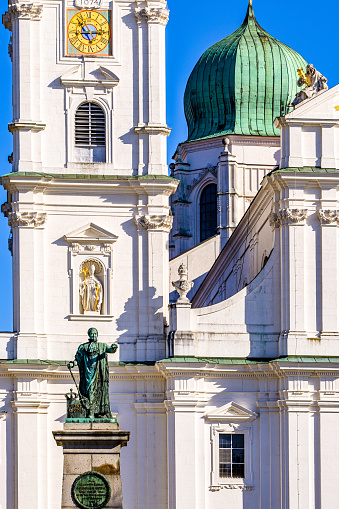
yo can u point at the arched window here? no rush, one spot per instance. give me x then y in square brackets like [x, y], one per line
[90, 133]
[208, 212]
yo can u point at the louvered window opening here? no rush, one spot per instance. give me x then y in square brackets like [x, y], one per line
[90, 128]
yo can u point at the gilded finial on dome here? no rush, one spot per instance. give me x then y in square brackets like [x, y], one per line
[250, 3]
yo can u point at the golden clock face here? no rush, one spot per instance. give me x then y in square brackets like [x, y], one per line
[89, 32]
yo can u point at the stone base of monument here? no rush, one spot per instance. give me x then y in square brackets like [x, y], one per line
[91, 475]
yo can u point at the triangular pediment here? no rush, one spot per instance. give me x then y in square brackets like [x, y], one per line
[91, 232]
[231, 412]
[320, 107]
[100, 76]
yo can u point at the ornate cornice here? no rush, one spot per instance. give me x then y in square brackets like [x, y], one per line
[34, 219]
[287, 216]
[152, 15]
[18, 125]
[22, 11]
[163, 223]
[329, 216]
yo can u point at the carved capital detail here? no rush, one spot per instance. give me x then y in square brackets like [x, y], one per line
[163, 223]
[22, 11]
[34, 219]
[287, 216]
[152, 15]
[329, 216]
[75, 248]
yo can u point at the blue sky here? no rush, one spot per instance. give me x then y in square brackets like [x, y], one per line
[311, 28]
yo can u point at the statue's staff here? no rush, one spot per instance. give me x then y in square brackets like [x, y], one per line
[84, 401]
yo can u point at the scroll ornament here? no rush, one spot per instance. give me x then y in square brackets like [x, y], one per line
[183, 286]
[154, 222]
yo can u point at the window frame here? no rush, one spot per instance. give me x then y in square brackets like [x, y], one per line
[71, 146]
[231, 419]
[207, 184]
[90, 146]
[231, 462]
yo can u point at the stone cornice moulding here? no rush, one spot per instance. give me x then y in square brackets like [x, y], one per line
[160, 223]
[231, 413]
[32, 219]
[287, 217]
[328, 216]
[29, 11]
[152, 15]
[26, 125]
[89, 234]
[73, 77]
[153, 129]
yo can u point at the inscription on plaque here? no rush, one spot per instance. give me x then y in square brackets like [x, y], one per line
[91, 490]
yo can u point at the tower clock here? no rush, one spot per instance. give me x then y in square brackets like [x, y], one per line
[89, 32]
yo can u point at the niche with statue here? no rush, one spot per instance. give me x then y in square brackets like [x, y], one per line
[91, 287]
[90, 272]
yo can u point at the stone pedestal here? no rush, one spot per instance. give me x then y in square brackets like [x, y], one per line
[92, 447]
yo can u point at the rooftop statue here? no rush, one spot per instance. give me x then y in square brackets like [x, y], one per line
[315, 82]
[91, 359]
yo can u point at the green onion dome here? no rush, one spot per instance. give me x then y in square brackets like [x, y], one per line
[241, 84]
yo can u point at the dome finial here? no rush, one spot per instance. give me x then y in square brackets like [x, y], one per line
[250, 3]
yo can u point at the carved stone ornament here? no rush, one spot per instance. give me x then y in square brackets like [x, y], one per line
[328, 216]
[287, 216]
[242, 487]
[21, 11]
[75, 248]
[183, 286]
[35, 219]
[154, 222]
[152, 15]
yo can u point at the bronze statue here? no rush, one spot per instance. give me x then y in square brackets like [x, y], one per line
[91, 359]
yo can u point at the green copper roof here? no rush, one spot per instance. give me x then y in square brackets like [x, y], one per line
[241, 84]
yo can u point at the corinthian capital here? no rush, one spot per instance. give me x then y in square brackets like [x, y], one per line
[21, 11]
[163, 223]
[287, 216]
[328, 216]
[34, 219]
[152, 15]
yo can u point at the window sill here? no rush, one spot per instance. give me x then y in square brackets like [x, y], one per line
[232, 486]
[91, 318]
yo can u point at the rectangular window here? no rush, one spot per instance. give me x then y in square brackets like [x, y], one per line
[231, 455]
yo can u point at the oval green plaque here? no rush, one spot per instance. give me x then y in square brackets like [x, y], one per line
[91, 490]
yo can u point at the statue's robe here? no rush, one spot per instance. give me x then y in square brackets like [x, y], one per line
[94, 377]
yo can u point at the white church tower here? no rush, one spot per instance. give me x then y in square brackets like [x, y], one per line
[90, 185]
[88, 207]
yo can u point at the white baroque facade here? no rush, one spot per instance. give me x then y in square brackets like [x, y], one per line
[231, 400]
